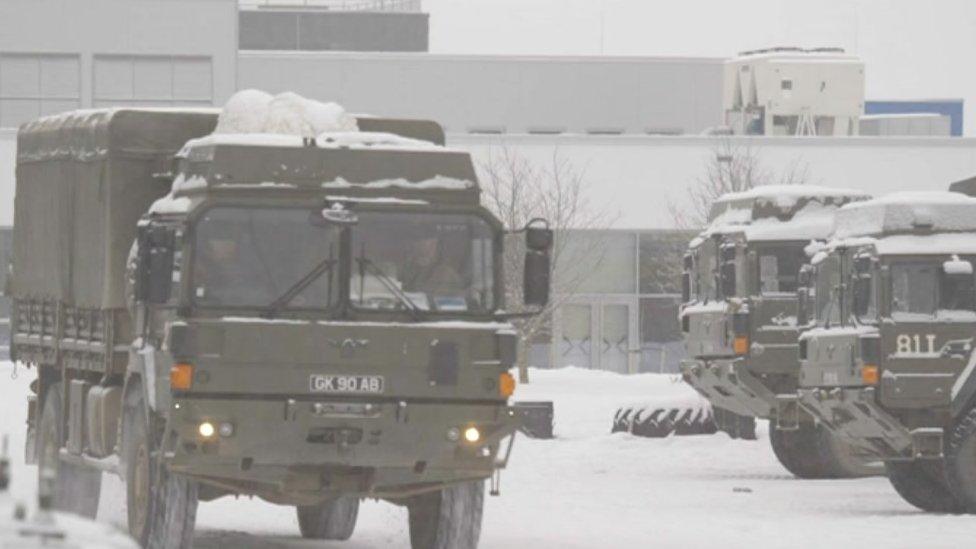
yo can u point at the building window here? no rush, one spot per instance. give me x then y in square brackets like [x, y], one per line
[786, 84]
[34, 85]
[152, 80]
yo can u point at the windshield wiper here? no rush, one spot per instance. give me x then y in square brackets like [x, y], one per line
[324, 266]
[366, 264]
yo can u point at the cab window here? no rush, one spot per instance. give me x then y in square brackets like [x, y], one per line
[914, 290]
[779, 268]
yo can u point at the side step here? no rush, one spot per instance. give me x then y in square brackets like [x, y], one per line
[108, 464]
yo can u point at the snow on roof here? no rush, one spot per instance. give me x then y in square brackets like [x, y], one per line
[779, 212]
[255, 111]
[899, 212]
[327, 140]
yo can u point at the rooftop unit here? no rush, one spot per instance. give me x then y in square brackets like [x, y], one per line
[793, 91]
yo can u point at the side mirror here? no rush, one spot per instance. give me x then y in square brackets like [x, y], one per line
[154, 279]
[727, 276]
[536, 280]
[862, 295]
[802, 297]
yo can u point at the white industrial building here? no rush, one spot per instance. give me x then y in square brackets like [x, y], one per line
[633, 125]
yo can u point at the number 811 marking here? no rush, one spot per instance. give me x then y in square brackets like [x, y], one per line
[913, 344]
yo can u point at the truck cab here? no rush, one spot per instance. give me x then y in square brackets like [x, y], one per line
[892, 304]
[740, 304]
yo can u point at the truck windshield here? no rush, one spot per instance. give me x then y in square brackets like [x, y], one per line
[779, 268]
[921, 291]
[423, 262]
[248, 257]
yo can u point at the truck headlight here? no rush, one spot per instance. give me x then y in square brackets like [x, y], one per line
[472, 434]
[206, 429]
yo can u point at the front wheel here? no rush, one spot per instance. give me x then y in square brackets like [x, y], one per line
[448, 519]
[960, 461]
[72, 488]
[922, 483]
[331, 520]
[161, 506]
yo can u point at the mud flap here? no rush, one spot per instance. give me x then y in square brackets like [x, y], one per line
[787, 412]
[927, 443]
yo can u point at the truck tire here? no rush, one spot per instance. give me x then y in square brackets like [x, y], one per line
[813, 452]
[161, 507]
[842, 460]
[797, 450]
[922, 483]
[331, 520]
[448, 519]
[75, 489]
[960, 461]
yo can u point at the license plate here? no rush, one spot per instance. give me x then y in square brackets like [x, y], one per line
[346, 384]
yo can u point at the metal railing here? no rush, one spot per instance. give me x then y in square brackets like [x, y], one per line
[336, 5]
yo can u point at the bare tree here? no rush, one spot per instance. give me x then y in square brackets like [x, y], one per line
[518, 190]
[731, 167]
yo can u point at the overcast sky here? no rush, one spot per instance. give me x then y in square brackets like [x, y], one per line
[912, 48]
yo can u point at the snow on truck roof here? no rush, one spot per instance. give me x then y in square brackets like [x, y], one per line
[936, 211]
[909, 223]
[778, 212]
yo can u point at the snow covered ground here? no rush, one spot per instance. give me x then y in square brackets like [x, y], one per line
[590, 489]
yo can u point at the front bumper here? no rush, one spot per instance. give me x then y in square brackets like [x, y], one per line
[728, 383]
[854, 414]
[286, 446]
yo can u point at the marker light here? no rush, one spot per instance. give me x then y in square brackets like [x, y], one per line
[740, 345]
[454, 434]
[207, 429]
[472, 434]
[869, 374]
[506, 384]
[181, 377]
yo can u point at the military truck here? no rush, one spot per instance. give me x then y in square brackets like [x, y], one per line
[308, 320]
[739, 317]
[890, 362]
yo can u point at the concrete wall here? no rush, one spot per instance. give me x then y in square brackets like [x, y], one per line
[639, 176]
[313, 30]
[505, 94]
[58, 55]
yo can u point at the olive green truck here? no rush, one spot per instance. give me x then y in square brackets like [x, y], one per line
[311, 321]
[739, 318]
[889, 362]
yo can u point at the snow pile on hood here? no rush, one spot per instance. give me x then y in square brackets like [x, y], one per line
[906, 211]
[255, 111]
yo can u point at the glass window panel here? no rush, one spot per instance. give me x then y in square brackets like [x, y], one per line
[19, 76]
[60, 77]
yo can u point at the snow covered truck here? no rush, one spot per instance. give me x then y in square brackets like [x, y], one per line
[890, 363]
[739, 317]
[311, 320]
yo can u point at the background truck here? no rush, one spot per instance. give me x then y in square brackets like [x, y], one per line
[739, 317]
[309, 320]
[890, 363]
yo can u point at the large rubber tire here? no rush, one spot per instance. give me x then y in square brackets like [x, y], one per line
[813, 452]
[922, 483]
[74, 489]
[331, 520]
[161, 507]
[797, 450]
[960, 461]
[842, 460]
[448, 519]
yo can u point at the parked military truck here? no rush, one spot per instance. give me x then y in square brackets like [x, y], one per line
[890, 363]
[739, 317]
[307, 320]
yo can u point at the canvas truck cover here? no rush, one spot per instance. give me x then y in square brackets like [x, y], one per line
[84, 179]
